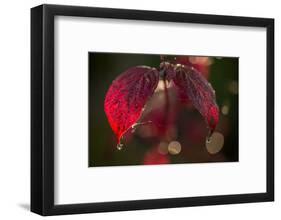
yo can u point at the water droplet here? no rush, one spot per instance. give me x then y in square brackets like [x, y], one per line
[208, 140]
[215, 143]
[120, 146]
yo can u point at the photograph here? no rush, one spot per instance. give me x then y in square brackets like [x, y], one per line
[151, 109]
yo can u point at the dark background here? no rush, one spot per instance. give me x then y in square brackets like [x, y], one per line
[142, 146]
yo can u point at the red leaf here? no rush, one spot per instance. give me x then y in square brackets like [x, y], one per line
[127, 96]
[195, 88]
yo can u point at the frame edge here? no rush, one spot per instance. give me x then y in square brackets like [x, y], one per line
[270, 108]
[42, 110]
[36, 43]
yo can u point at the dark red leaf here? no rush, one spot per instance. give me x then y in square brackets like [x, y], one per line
[127, 96]
[194, 87]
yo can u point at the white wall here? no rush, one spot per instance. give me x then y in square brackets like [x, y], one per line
[15, 110]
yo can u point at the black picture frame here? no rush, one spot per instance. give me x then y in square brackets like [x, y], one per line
[42, 109]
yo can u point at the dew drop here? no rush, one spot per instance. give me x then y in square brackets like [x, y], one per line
[120, 146]
[215, 143]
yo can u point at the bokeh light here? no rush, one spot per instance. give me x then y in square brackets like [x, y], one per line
[174, 147]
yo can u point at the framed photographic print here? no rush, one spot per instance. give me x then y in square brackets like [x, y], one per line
[139, 109]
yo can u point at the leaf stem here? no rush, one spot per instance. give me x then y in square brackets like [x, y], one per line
[167, 105]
